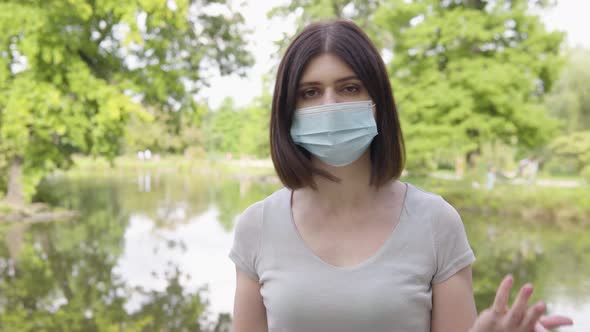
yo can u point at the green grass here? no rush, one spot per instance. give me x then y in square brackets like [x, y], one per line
[577, 178]
[536, 204]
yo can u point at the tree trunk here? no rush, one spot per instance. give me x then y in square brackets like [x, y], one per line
[15, 193]
[470, 157]
[14, 240]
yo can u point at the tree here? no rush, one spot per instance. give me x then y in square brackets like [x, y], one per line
[469, 72]
[166, 131]
[571, 153]
[307, 11]
[570, 99]
[463, 72]
[254, 132]
[569, 102]
[240, 130]
[71, 73]
[223, 128]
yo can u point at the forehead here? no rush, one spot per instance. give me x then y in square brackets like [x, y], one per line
[325, 67]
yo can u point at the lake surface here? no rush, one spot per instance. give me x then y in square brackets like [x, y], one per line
[149, 253]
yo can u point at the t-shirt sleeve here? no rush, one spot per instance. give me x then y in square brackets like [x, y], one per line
[452, 249]
[245, 251]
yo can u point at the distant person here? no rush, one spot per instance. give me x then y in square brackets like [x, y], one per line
[533, 168]
[490, 178]
[528, 168]
[346, 246]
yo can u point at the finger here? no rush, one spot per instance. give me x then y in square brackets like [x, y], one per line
[532, 315]
[518, 310]
[554, 321]
[540, 328]
[500, 305]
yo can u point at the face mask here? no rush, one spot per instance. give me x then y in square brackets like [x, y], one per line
[338, 134]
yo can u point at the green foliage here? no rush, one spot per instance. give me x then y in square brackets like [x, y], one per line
[569, 101]
[532, 205]
[465, 73]
[574, 147]
[307, 11]
[223, 126]
[165, 131]
[242, 131]
[72, 72]
[254, 136]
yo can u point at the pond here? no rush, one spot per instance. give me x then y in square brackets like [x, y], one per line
[148, 252]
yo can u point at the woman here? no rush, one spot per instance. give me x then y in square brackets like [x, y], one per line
[346, 246]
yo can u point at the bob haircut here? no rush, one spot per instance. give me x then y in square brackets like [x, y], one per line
[347, 41]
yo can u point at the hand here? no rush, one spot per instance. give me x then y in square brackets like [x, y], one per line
[500, 318]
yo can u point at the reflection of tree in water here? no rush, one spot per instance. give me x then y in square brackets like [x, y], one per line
[171, 310]
[64, 279]
[491, 266]
[553, 259]
[173, 199]
[568, 265]
[501, 250]
[232, 197]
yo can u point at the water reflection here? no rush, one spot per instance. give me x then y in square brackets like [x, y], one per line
[149, 253]
[144, 182]
[199, 246]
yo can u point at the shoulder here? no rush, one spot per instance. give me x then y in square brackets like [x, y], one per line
[251, 219]
[421, 200]
[431, 206]
[248, 236]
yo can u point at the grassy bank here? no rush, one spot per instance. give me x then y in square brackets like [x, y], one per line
[32, 213]
[172, 164]
[563, 206]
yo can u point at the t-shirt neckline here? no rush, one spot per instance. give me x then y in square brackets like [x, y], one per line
[393, 234]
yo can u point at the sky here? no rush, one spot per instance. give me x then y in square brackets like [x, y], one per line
[570, 16]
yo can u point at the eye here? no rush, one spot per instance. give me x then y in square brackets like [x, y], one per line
[351, 89]
[309, 93]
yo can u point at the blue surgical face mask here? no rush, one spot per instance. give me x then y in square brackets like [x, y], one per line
[338, 134]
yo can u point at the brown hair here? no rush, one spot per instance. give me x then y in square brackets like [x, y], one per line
[347, 41]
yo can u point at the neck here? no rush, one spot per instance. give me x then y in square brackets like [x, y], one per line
[352, 191]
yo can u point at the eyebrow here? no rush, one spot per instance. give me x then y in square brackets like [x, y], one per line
[340, 80]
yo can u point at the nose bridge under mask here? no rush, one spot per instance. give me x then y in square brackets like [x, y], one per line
[352, 105]
[337, 133]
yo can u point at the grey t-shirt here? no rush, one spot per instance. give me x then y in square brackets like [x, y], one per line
[390, 291]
